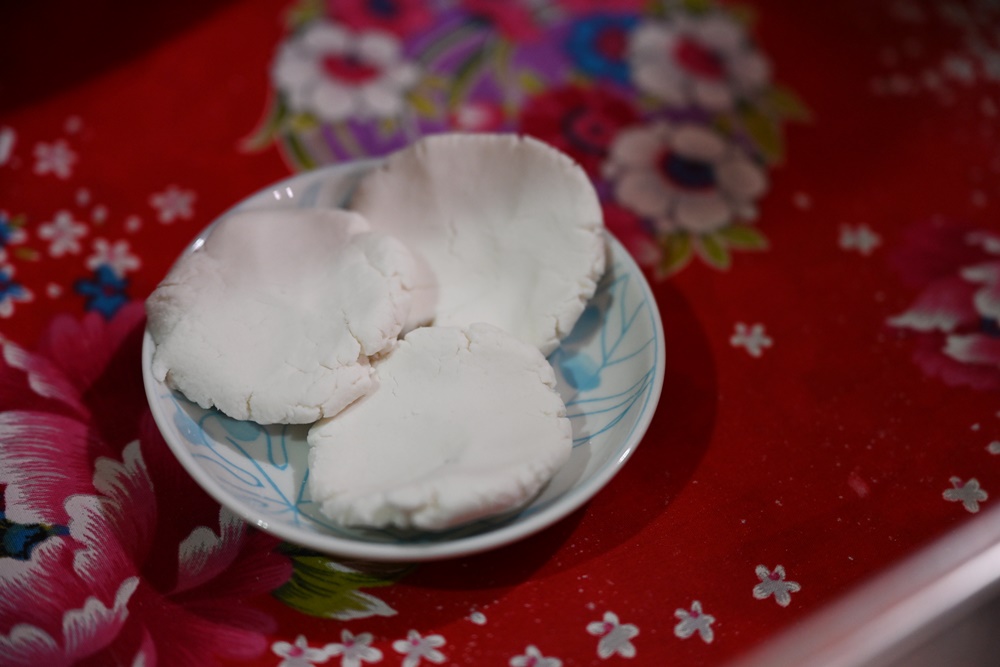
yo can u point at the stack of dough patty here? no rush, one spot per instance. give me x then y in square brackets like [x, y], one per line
[482, 249]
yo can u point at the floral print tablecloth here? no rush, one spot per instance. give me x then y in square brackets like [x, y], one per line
[811, 189]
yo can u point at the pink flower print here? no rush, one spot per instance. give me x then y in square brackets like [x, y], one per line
[513, 19]
[773, 583]
[403, 18]
[114, 255]
[955, 318]
[703, 60]
[354, 649]
[173, 204]
[56, 158]
[533, 658]
[121, 585]
[615, 636]
[581, 122]
[63, 234]
[416, 648]
[695, 620]
[336, 74]
[684, 177]
[299, 654]
[85, 631]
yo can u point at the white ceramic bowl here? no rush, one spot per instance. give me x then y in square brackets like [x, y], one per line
[610, 371]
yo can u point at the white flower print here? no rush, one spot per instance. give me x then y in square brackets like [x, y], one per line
[336, 74]
[533, 658]
[415, 648]
[115, 255]
[354, 649]
[773, 583]
[752, 337]
[615, 636]
[684, 177]
[63, 234]
[860, 238]
[968, 493]
[705, 61]
[299, 654]
[694, 621]
[993, 447]
[173, 203]
[56, 158]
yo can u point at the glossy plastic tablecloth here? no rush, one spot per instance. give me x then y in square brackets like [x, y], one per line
[810, 187]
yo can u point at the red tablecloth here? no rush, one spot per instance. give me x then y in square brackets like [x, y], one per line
[811, 187]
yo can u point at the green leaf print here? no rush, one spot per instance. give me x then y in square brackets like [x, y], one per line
[329, 589]
[743, 237]
[782, 103]
[711, 248]
[765, 133]
[676, 252]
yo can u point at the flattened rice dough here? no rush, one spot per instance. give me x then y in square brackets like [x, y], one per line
[466, 423]
[505, 229]
[274, 317]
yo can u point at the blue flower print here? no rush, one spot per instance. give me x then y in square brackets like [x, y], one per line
[598, 45]
[10, 291]
[104, 292]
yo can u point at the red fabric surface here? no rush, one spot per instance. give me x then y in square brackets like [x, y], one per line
[828, 454]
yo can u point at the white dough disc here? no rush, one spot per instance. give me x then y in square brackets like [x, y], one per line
[274, 317]
[505, 229]
[466, 423]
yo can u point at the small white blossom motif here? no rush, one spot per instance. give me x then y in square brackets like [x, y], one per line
[7, 140]
[773, 583]
[615, 636]
[415, 648]
[63, 234]
[684, 177]
[56, 158]
[993, 447]
[968, 493]
[173, 203]
[335, 74]
[299, 654]
[354, 649]
[114, 255]
[99, 214]
[859, 238]
[705, 60]
[533, 658]
[478, 617]
[694, 621]
[752, 337]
